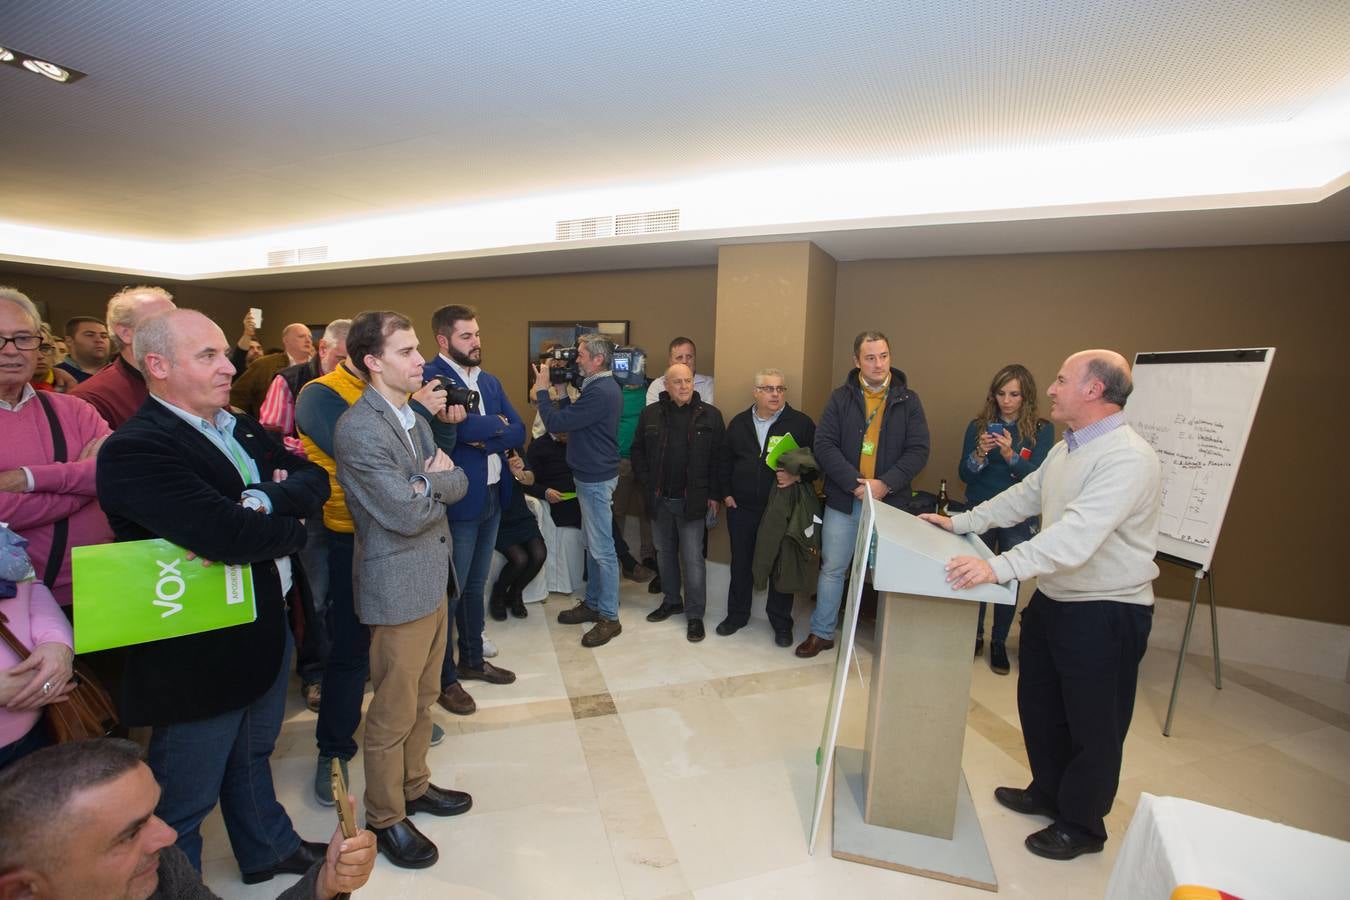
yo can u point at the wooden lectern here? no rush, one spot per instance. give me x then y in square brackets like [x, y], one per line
[902, 802]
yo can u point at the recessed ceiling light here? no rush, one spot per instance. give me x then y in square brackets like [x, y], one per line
[51, 70]
[20, 60]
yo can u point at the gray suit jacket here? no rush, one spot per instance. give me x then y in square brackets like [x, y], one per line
[401, 564]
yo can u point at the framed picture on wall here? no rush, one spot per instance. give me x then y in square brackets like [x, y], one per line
[542, 337]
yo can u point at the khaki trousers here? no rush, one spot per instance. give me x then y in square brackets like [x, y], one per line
[405, 670]
[628, 499]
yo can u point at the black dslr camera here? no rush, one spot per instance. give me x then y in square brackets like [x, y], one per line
[567, 372]
[456, 395]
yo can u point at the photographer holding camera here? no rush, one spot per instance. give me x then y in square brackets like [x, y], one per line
[592, 426]
[487, 432]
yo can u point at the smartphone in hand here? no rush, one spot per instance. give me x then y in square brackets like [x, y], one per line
[346, 815]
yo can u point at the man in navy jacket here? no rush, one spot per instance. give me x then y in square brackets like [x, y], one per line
[872, 438]
[185, 470]
[481, 441]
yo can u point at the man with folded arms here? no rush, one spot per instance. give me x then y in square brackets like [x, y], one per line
[186, 470]
[1086, 628]
[398, 485]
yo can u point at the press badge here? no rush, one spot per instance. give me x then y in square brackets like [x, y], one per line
[868, 448]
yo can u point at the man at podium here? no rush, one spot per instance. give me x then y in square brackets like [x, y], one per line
[1087, 625]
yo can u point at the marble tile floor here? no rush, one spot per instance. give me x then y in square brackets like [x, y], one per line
[652, 768]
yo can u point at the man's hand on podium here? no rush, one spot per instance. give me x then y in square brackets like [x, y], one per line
[968, 571]
[943, 522]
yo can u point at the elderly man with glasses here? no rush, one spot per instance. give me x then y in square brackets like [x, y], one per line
[47, 491]
[751, 435]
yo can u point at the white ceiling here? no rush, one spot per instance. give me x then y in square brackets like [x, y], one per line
[205, 120]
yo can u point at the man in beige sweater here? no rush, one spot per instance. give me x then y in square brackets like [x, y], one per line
[1086, 628]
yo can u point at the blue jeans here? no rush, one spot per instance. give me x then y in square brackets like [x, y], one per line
[344, 676]
[837, 537]
[679, 539]
[227, 758]
[475, 539]
[602, 563]
[1001, 540]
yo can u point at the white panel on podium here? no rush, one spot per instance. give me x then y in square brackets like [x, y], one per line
[912, 556]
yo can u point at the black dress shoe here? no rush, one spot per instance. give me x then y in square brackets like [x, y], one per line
[663, 612]
[517, 605]
[298, 863]
[783, 638]
[998, 658]
[497, 607]
[726, 627]
[405, 846]
[1024, 802]
[1054, 842]
[440, 802]
[979, 646]
[694, 631]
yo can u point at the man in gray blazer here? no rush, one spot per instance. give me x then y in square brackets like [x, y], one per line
[398, 485]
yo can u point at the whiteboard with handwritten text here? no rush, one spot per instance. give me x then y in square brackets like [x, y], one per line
[1196, 408]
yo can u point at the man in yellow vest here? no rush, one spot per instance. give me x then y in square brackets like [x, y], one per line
[317, 409]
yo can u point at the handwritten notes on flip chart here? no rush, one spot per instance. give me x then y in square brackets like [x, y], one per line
[1196, 410]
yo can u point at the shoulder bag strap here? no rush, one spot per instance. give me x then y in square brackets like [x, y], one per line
[8, 637]
[61, 529]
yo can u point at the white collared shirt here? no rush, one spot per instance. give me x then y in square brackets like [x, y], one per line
[28, 393]
[470, 379]
[220, 432]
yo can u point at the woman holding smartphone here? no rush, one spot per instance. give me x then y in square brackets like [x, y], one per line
[1003, 444]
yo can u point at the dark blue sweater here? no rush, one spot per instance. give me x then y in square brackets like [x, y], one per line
[592, 427]
[997, 475]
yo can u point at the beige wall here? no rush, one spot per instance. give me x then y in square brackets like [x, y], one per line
[66, 297]
[954, 321]
[660, 303]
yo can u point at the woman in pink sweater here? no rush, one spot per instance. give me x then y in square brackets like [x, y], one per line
[36, 622]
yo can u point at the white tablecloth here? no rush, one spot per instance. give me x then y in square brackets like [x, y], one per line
[1171, 842]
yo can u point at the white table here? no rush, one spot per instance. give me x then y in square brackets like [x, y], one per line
[1171, 842]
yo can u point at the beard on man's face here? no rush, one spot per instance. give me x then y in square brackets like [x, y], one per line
[468, 360]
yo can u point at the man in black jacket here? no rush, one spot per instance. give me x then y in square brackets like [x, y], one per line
[873, 438]
[676, 458]
[751, 436]
[184, 469]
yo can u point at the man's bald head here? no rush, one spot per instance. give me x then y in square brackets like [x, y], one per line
[1111, 369]
[680, 383]
[297, 341]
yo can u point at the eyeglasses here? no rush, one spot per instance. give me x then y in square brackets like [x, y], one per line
[46, 348]
[771, 388]
[22, 341]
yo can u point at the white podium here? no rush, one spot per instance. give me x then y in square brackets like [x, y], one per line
[902, 801]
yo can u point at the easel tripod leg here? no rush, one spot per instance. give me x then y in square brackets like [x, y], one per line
[1181, 654]
[1214, 632]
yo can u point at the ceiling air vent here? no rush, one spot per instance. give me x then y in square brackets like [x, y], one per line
[647, 222]
[298, 256]
[618, 225]
[583, 229]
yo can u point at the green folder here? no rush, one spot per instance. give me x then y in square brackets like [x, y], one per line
[778, 445]
[568, 495]
[141, 591]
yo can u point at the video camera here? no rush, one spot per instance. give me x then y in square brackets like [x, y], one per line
[456, 395]
[629, 366]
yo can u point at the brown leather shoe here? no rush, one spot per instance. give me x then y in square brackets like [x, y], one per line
[489, 673]
[813, 645]
[601, 633]
[456, 700]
